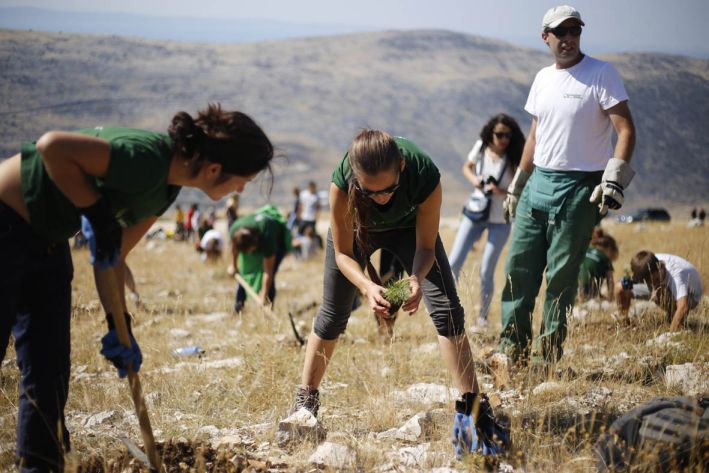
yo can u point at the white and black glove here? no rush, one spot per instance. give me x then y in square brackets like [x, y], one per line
[616, 178]
[513, 192]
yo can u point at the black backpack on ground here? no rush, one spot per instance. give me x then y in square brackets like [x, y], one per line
[664, 434]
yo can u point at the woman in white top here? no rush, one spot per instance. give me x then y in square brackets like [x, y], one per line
[490, 166]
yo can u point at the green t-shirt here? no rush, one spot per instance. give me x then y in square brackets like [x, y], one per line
[418, 179]
[273, 233]
[135, 186]
[595, 266]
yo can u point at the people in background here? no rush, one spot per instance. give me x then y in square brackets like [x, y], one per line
[294, 214]
[597, 266]
[309, 205]
[211, 246]
[190, 229]
[232, 209]
[674, 283]
[259, 242]
[179, 223]
[489, 168]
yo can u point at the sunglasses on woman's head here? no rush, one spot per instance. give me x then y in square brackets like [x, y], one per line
[502, 134]
[561, 31]
[370, 193]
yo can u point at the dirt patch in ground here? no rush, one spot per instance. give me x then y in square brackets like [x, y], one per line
[180, 456]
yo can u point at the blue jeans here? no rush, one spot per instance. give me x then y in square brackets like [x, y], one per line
[468, 233]
[35, 290]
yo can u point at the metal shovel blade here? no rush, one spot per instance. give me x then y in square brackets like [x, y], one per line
[137, 453]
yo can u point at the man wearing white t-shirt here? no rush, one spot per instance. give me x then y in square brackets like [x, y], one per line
[575, 175]
[309, 210]
[309, 207]
[675, 285]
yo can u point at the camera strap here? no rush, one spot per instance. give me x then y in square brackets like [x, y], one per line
[481, 163]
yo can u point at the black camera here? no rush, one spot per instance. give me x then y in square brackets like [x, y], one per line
[483, 183]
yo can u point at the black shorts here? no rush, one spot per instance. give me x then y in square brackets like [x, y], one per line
[439, 293]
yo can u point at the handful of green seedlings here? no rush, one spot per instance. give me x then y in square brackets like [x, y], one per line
[396, 293]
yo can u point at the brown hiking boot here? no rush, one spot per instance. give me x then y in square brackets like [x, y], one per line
[308, 398]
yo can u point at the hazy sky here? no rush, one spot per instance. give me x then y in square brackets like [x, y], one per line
[678, 26]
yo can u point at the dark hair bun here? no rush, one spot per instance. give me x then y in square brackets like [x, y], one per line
[186, 135]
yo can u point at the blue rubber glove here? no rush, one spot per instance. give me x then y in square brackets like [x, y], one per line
[103, 233]
[478, 432]
[465, 437]
[120, 355]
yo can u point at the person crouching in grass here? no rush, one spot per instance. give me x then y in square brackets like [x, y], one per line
[674, 283]
[597, 266]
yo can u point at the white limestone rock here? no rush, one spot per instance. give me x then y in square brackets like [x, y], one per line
[691, 378]
[99, 418]
[301, 425]
[427, 393]
[334, 455]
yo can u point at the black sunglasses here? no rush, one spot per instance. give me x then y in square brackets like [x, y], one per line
[561, 31]
[502, 134]
[370, 193]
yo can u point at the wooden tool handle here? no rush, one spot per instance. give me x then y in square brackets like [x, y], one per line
[107, 280]
[252, 293]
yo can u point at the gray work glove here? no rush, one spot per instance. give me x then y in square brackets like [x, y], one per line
[609, 193]
[513, 192]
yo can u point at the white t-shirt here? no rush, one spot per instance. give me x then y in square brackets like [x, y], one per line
[683, 277]
[491, 166]
[212, 239]
[573, 133]
[195, 219]
[309, 205]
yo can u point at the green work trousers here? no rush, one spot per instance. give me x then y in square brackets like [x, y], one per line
[554, 237]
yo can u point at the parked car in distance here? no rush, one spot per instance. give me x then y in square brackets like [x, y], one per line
[644, 214]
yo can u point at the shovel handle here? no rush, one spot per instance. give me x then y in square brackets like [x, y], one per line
[106, 278]
[252, 293]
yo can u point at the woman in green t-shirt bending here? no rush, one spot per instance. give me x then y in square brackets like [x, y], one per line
[386, 194]
[113, 183]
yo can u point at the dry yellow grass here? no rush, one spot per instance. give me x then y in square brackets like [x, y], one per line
[177, 291]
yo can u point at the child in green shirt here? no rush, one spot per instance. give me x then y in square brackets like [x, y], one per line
[597, 266]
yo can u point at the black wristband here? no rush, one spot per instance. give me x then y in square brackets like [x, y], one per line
[111, 324]
[465, 405]
[98, 213]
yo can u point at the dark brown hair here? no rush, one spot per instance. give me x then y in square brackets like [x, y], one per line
[230, 138]
[516, 144]
[245, 238]
[643, 264]
[371, 152]
[604, 241]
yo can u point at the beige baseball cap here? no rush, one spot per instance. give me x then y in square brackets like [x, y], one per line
[557, 15]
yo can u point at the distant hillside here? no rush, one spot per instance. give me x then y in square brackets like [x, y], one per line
[312, 95]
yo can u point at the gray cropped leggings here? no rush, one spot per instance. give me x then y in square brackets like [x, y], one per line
[439, 294]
